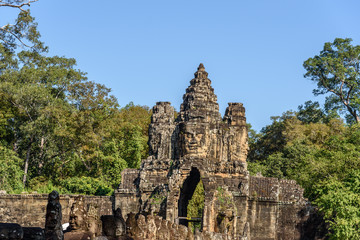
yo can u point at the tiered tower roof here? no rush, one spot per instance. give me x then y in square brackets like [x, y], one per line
[199, 101]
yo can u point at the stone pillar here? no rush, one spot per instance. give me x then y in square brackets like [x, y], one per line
[53, 228]
[160, 131]
[237, 134]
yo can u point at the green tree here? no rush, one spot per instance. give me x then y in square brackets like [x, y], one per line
[339, 200]
[62, 129]
[336, 70]
[36, 88]
[269, 140]
[10, 171]
[23, 32]
[310, 112]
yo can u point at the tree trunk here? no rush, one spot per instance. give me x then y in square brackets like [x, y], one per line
[352, 112]
[26, 167]
[357, 119]
[41, 158]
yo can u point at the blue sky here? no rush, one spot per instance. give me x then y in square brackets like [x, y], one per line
[147, 51]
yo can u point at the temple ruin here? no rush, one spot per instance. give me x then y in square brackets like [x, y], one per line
[152, 202]
[200, 144]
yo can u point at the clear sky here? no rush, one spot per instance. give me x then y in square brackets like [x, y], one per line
[147, 51]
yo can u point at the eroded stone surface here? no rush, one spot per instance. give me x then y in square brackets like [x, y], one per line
[53, 227]
[33, 233]
[11, 231]
[155, 227]
[29, 210]
[84, 220]
[200, 144]
[197, 145]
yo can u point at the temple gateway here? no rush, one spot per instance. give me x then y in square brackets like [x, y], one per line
[197, 145]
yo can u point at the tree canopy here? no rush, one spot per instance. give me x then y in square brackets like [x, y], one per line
[58, 129]
[336, 70]
[23, 31]
[322, 153]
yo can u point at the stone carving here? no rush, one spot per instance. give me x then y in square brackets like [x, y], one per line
[11, 231]
[114, 226]
[78, 215]
[245, 235]
[154, 227]
[160, 130]
[120, 225]
[33, 233]
[53, 228]
[84, 220]
[93, 222]
[108, 224]
[200, 144]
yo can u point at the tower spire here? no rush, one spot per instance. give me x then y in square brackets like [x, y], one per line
[200, 101]
[201, 73]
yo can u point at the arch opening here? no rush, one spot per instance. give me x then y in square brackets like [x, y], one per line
[186, 194]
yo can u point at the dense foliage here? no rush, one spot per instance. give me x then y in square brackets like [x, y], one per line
[60, 131]
[336, 70]
[322, 155]
[57, 129]
[314, 146]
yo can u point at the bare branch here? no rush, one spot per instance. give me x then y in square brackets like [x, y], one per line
[348, 94]
[7, 25]
[327, 88]
[6, 28]
[19, 39]
[19, 6]
[341, 86]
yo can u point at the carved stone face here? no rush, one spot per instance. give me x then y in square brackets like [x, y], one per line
[194, 140]
[77, 215]
[76, 221]
[92, 226]
[52, 220]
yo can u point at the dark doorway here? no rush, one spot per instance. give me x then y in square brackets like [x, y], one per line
[186, 193]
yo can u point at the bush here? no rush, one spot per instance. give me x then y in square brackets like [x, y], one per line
[10, 171]
[339, 200]
[87, 186]
[43, 185]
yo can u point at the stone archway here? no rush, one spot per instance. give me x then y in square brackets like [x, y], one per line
[186, 194]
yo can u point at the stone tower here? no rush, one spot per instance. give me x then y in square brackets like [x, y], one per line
[200, 144]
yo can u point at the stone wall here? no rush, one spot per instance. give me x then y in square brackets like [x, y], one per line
[29, 210]
[200, 144]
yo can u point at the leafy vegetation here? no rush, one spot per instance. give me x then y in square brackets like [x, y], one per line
[339, 200]
[315, 146]
[336, 70]
[322, 157]
[195, 207]
[59, 130]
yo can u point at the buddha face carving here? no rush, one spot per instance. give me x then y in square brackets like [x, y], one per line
[92, 219]
[76, 222]
[77, 215]
[194, 139]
